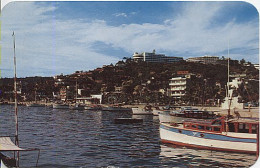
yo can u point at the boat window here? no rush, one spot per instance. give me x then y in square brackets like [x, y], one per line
[240, 126]
[201, 127]
[187, 125]
[208, 128]
[231, 127]
[253, 128]
[194, 126]
[217, 122]
[216, 129]
[243, 128]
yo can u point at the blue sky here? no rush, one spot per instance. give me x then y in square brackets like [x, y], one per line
[62, 37]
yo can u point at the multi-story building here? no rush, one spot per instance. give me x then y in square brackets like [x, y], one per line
[177, 87]
[153, 57]
[204, 59]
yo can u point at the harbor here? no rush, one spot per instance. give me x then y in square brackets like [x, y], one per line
[72, 138]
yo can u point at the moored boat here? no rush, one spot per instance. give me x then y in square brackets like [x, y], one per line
[177, 116]
[60, 106]
[93, 107]
[140, 111]
[231, 135]
[35, 105]
[115, 108]
[77, 107]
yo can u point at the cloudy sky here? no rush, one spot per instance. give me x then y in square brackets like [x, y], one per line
[62, 37]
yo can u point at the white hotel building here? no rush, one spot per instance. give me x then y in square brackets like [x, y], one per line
[177, 87]
[153, 57]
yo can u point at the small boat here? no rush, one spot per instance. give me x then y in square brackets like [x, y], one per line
[178, 116]
[222, 134]
[115, 108]
[60, 106]
[93, 107]
[77, 107]
[142, 111]
[127, 120]
[35, 105]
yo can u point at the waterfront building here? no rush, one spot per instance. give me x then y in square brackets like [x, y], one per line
[204, 59]
[256, 66]
[177, 87]
[153, 57]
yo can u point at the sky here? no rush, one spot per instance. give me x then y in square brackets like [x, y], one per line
[63, 37]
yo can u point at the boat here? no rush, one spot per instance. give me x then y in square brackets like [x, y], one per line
[60, 106]
[114, 108]
[222, 134]
[77, 107]
[127, 120]
[93, 107]
[147, 110]
[177, 116]
[2, 165]
[6, 144]
[35, 105]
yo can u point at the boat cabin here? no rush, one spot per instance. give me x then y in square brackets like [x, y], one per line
[194, 113]
[221, 125]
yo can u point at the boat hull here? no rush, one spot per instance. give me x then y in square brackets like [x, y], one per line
[209, 141]
[35, 105]
[115, 109]
[60, 106]
[165, 117]
[137, 111]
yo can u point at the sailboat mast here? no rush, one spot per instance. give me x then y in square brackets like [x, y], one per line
[15, 96]
[228, 70]
[229, 98]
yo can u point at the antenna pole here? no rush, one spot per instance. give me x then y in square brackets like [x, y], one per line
[15, 104]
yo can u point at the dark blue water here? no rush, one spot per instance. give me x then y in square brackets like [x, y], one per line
[70, 138]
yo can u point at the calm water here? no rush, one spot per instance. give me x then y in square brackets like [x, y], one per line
[70, 138]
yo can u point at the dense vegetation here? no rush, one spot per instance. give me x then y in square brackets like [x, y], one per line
[144, 82]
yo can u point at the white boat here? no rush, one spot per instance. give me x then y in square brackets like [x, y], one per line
[221, 134]
[115, 108]
[178, 116]
[60, 106]
[77, 107]
[3, 165]
[165, 117]
[142, 111]
[35, 105]
[93, 107]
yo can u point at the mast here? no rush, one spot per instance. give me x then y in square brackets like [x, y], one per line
[76, 90]
[15, 104]
[230, 99]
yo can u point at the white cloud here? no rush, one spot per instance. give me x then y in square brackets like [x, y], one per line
[48, 45]
[120, 14]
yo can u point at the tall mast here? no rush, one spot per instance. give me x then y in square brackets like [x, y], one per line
[228, 71]
[229, 98]
[15, 105]
[15, 95]
[76, 90]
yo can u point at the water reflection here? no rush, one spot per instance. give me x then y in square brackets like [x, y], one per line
[204, 158]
